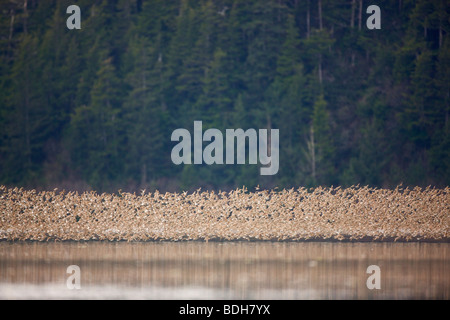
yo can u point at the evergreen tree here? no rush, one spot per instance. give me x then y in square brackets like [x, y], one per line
[353, 105]
[321, 146]
[144, 115]
[23, 150]
[98, 153]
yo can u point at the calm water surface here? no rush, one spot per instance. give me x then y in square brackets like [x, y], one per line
[229, 270]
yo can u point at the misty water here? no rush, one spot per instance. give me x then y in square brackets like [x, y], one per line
[224, 270]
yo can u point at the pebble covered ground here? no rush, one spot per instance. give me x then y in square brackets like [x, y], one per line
[354, 213]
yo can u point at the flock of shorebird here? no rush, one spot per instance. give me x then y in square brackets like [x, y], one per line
[354, 213]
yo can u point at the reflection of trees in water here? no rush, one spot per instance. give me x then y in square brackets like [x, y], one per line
[286, 270]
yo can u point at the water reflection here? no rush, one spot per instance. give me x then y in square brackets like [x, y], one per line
[230, 270]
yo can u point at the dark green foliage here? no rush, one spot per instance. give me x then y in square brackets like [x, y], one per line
[96, 107]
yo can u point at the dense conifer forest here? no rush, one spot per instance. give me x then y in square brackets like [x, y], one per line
[95, 108]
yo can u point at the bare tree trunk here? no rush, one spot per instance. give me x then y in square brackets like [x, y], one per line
[269, 136]
[320, 15]
[320, 28]
[360, 15]
[352, 25]
[25, 11]
[320, 68]
[447, 111]
[143, 175]
[27, 121]
[308, 20]
[312, 150]
[447, 103]
[11, 29]
[425, 29]
[352, 19]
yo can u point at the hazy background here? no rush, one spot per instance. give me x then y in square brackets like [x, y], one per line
[95, 108]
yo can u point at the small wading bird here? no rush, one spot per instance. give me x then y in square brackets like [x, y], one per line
[322, 213]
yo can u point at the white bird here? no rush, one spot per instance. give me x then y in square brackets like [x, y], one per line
[222, 12]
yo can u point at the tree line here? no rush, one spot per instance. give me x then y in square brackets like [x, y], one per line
[95, 107]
